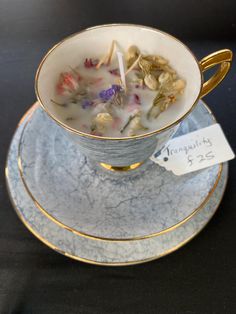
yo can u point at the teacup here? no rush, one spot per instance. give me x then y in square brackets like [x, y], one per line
[129, 152]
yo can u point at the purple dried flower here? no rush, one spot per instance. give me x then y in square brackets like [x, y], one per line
[116, 88]
[107, 94]
[86, 103]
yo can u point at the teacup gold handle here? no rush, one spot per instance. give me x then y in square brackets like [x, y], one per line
[222, 58]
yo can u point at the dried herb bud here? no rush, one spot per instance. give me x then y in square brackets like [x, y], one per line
[150, 81]
[164, 77]
[132, 52]
[179, 85]
[136, 125]
[168, 69]
[162, 60]
[103, 120]
[145, 65]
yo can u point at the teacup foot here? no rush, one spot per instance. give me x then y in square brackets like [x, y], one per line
[123, 168]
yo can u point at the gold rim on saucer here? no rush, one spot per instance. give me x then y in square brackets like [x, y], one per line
[55, 220]
[88, 261]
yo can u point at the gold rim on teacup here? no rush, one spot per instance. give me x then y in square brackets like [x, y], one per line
[222, 58]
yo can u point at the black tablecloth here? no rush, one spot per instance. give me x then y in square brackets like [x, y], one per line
[200, 277]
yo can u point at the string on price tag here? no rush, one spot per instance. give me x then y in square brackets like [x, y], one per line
[194, 151]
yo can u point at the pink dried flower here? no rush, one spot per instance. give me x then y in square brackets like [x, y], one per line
[66, 84]
[90, 63]
[136, 99]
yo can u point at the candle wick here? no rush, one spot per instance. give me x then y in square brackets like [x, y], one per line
[120, 57]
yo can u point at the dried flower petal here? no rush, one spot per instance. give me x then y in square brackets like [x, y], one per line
[107, 94]
[136, 125]
[162, 60]
[133, 51]
[133, 64]
[179, 85]
[90, 63]
[103, 120]
[131, 55]
[155, 109]
[76, 74]
[136, 99]
[86, 103]
[151, 81]
[164, 77]
[145, 65]
[67, 84]
[116, 88]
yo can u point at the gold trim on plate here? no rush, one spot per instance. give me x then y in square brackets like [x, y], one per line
[52, 218]
[50, 245]
[88, 261]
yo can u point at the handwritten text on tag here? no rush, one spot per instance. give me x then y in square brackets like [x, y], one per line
[194, 151]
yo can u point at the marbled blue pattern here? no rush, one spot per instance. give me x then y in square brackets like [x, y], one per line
[103, 252]
[105, 204]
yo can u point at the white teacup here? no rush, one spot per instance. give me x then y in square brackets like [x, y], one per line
[129, 152]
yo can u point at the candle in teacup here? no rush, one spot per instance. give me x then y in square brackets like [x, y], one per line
[117, 95]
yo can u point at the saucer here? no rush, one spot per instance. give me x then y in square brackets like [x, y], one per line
[100, 251]
[93, 202]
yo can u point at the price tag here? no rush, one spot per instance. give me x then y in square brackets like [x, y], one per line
[194, 151]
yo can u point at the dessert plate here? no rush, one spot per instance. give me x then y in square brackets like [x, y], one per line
[93, 202]
[96, 251]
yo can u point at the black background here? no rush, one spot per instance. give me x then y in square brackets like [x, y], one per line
[199, 278]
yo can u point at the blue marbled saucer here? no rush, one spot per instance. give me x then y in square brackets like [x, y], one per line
[92, 201]
[115, 252]
[97, 251]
